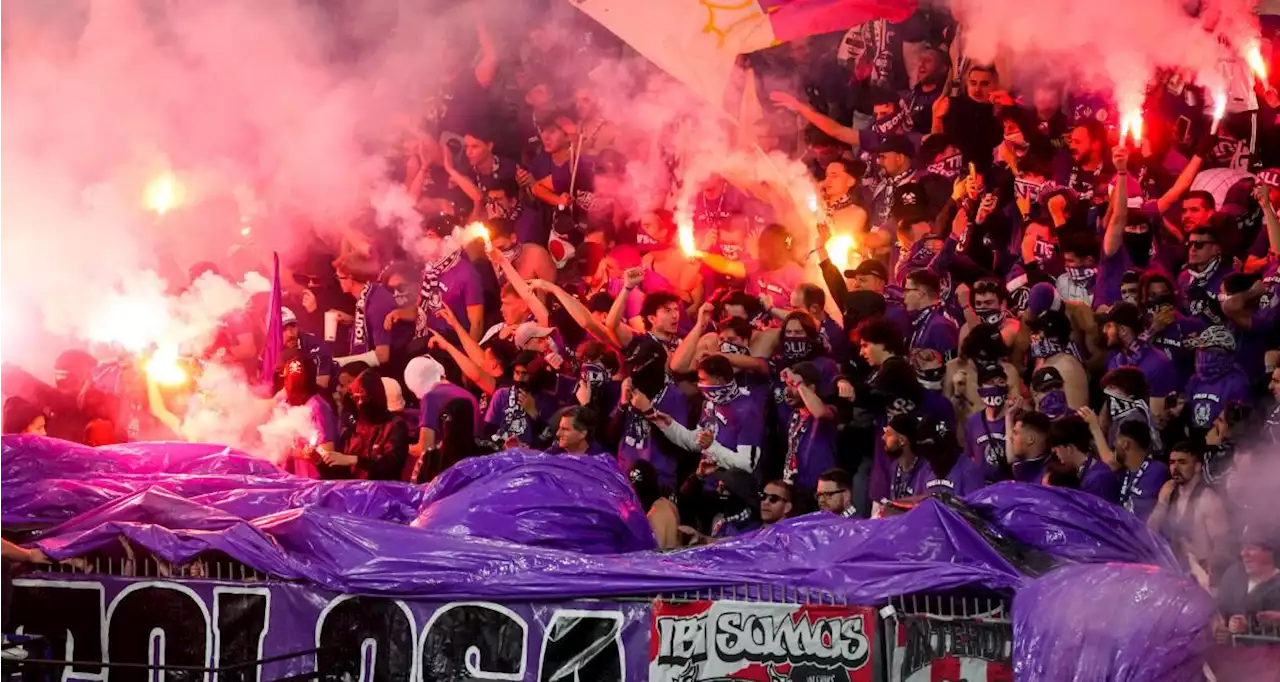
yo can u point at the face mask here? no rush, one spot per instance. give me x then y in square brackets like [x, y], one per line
[731, 348]
[993, 396]
[1027, 189]
[643, 239]
[1043, 347]
[731, 251]
[594, 374]
[403, 299]
[1138, 244]
[1212, 363]
[1054, 404]
[497, 211]
[885, 125]
[719, 394]
[1082, 276]
[949, 167]
[931, 378]
[1129, 297]
[989, 315]
[796, 349]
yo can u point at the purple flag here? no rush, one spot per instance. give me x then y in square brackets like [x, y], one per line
[274, 346]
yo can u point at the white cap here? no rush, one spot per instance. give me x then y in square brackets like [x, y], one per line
[530, 331]
[287, 317]
[422, 374]
[395, 397]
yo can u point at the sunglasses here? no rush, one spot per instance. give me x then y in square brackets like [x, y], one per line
[773, 499]
[822, 496]
[1198, 243]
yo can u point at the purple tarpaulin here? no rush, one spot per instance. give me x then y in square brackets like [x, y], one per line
[515, 525]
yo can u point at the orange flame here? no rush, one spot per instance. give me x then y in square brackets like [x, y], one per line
[840, 248]
[1131, 123]
[1253, 56]
[684, 233]
[165, 368]
[162, 194]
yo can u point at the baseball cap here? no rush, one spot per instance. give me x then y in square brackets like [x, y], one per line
[910, 203]
[1270, 177]
[929, 431]
[1124, 314]
[530, 331]
[1046, 379]
[869, 266]
[287, 317]
[900, 144]
[1043, 298]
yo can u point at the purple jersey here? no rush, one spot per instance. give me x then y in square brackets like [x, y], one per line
[736, 424]
[369, 331]
[1200, 291]
[453, 282]
[1207, 397]
[1162, 378]
[440, 395]
[1140, 489]
[933, 330]
[965, 477]
[984, 445]
[641, 441]
[1097, 478]
[811, 447]
[506, 419]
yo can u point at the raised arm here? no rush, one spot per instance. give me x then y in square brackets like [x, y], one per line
[631, 279]
[843, 133]
[488, 63]
[1180, 186]
[577, 311]
[464, 183]
[682, 359]
[469, 368]
[810, 399]
[1105, 453]
[518, 282]
[1113, 240]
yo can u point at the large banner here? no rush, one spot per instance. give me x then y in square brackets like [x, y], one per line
[926, 649]
[360, 639]
[733, 640]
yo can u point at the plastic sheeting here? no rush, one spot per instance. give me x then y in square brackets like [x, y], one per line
[1111, 623]
[517, 525]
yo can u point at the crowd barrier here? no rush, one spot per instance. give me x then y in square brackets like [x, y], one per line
[221, 621]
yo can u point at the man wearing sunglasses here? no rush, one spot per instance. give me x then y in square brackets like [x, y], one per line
[1201, 280]
[775, 502]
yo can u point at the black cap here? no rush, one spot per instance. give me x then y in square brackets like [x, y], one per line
[870, 266]
[900, 144]
[739, 482]
[910, 203]
[930, 431]
[1124, 314]
[1046, 379]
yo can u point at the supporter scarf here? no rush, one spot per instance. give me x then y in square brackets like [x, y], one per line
[731, 348]
[1218, 337]
[1130, 484]
[917, 258]
[731, 251]
[1054, 404]
[358, 325]
[1030, 189]
[514, 421]
[637, 427]
[1121, 405]
[920, 322]
[721, 394]
[993, 396]
[840, 202]
[1132, 355]
[1044, 250]
[886, 187]
[948, 167]
[1201, 278]
[797, 349]
[1043, 347]
[904, 480]
[431, 299]
[496, 211]
[801, 420]
[1213, 364]
[887, 125]
[594, 374]
[1083, 277]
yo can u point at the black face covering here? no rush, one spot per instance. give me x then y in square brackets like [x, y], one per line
[1138, 244]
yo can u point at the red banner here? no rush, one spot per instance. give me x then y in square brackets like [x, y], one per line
[733, 640]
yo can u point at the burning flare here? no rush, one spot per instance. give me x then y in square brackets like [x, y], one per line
[476, 230]
[684, 233]
[1219, 110]
[165, 368]
[841, 250]
[162, 194]
[1131, 123]
[1253, 56]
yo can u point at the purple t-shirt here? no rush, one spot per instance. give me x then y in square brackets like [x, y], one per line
[434, 402]
[1161, 375]
[1097, 478]
[1202, 297]
[736, 424]
[1140, 489]
[641, 441]
[933, 330]
[369, 330]
[778, 284]
[965, 477]
[984, 445]
[457, 287]
[1207, 397]
[506, 419]
[811, 447]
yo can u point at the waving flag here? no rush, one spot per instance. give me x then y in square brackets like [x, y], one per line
[697, 41]
[274, 346]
